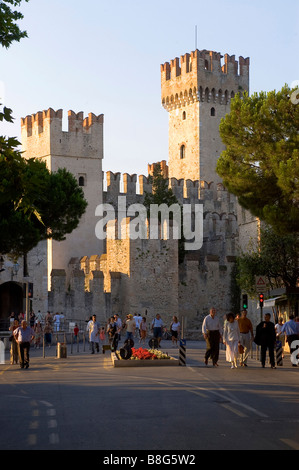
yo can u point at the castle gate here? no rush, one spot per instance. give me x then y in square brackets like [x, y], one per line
[11, 300]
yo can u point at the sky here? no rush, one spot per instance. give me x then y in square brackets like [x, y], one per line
[104, 56]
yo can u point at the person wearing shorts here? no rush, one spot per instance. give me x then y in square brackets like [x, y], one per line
[157, 326]
[175, 329]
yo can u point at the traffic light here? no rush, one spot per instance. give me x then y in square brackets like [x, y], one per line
[261, 300]
[244, 301]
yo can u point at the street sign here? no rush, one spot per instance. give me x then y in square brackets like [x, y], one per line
[261, 284]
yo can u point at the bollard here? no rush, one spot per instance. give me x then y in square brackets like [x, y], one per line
[279, 361]
[182, 352]
[2, 351]
[61, 350]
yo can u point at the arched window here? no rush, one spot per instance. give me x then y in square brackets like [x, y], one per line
[213, 112]
[184, 115]
[81, 181]
[182, 151]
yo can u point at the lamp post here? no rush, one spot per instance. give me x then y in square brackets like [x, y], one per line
[15, 270]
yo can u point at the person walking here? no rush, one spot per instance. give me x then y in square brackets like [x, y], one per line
[14, 353]
[175, 330]
[212, 333]
[137, 319]
[76, 333]
[48, 330]
[32, 319]
[246, 336]
[143, 330]
[119, 326]
[112, 333]
[24, 334]
[49, 318]
[38, 330]
[94, 330]
[266, 337]
[56, 319]
[232, 339]
[290, 329]
[130, 326]
[102, 336]
[157, 326]
[279, 335]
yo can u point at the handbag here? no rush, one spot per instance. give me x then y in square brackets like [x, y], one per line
[240, 348]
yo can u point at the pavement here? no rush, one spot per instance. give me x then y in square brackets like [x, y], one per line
[194, 351]
[82, 402]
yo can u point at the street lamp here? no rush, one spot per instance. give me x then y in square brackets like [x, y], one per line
[15, 269]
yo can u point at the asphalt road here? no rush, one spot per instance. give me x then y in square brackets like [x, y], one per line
[83, 403]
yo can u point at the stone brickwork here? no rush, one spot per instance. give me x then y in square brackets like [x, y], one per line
[205, 276]
[80, 151]
[144, 276]
[196, 91]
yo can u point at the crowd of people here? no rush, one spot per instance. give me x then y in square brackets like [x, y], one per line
[237, 335]
[40, 327]
[134, 328]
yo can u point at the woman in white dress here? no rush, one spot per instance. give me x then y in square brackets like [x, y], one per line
[231, 338]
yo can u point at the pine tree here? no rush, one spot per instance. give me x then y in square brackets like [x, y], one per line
[261, 162]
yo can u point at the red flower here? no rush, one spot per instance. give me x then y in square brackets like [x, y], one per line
[143, 354]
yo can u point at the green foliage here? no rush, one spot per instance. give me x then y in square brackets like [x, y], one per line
[235, 291]
[162, 194]
[35, 204]
[276, 257]
[261, 162]
[9, 30]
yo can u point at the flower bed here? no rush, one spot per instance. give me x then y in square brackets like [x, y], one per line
[144, 357]
[148, 354]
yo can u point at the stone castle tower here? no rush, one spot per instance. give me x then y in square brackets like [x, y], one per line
[196, 91]
[80, 151]
[80, 275]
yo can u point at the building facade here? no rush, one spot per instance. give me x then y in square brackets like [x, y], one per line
[84, 275]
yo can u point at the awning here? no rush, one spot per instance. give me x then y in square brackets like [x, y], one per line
[270, 302]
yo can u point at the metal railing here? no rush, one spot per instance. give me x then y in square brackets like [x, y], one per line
[77, 343]
[65, 325]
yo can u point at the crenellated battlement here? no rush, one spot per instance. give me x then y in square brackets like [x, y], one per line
[43, 134]
[214, 196]
[36, 123]
[196, 77]
[42, 120]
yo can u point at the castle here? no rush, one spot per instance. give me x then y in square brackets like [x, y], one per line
[84, 275]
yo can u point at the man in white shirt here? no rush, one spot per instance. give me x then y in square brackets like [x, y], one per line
[212, 332]
[24, 334]
[137, 319]
[94, 331]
